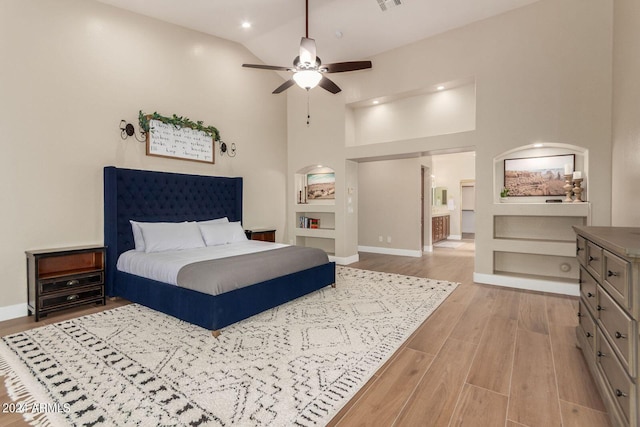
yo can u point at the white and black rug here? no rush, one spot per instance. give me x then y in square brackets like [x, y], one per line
[297, 364]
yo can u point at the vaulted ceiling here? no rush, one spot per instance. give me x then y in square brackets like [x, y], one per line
[344, 29]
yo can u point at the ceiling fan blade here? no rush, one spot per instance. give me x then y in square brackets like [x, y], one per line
[307, 51]
[284, 86]
[341, 67]
[267, 67]
[329, 85]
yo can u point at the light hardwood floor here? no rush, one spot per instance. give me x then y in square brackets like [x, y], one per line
[488, 356]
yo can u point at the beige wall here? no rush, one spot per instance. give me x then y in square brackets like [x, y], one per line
[71, 70]
[389, 204]
[542, 73]
[626, 111]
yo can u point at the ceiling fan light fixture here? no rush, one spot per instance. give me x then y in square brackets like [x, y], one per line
[307, 79]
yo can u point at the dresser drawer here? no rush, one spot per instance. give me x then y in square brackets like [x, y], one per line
[588, 325]
[620, 329]
[620, 387]
[72, 298]
[67, 282]
[588, 289]
[594, 260]
[581, 250]
[617, 278]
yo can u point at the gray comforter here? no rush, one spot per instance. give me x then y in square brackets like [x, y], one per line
[218, 276]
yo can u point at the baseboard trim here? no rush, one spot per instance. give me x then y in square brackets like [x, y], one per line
[454, 237]
[427, 248]
[13, 311]
[390, 251]
[345, 260]
[539, 285]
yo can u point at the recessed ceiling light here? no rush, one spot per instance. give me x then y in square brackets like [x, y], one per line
[538, 145]
[376, 102]
[246, 24]
[440, 87]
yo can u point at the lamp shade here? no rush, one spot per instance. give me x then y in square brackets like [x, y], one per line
[307, 79]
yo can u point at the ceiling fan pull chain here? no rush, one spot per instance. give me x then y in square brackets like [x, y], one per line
[308, 113]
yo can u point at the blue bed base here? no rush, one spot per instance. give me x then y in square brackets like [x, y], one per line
[161, 196]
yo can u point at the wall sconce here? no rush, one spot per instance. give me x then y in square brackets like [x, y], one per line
[127, 130]
[230, 149]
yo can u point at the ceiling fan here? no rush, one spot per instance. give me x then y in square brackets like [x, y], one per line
[308, 71]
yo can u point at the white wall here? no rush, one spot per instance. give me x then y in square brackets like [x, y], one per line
[71, 70]
[626, 110]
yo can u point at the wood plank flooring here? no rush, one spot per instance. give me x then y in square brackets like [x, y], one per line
[488, 356]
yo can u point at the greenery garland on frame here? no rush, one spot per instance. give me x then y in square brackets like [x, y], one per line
[178, 122]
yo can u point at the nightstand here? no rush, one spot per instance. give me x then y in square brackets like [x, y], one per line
[263, 234]
[61, 278]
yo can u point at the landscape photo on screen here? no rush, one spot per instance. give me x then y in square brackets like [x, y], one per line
[537, 176]
[321, 186]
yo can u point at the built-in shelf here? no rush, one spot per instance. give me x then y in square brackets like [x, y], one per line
[327, 233]
[314, 207]
[322, 209]
[532, 243]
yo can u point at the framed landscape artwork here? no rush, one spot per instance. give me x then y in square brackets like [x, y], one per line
[321, 186]
[537, 176]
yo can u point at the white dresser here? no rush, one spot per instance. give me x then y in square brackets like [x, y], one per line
[609, 260]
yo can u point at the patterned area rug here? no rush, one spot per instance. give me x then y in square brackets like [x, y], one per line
[297, 364]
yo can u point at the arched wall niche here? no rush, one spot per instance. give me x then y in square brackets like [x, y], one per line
[540, 149]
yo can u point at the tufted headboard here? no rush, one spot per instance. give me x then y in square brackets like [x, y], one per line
[161, 196]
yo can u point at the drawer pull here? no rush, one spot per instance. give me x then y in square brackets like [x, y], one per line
[588, 334]
[72, 297]
[579, 314]
[600, 354]
[612, 274]
[600, 308]
[592, 258]
[73, 282]
[578, 250]
[619, 335]
[590, 295]
[619, 393]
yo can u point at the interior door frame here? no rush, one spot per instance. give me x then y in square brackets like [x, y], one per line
[466, 183]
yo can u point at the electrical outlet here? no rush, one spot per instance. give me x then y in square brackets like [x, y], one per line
[379, 238]
[388, 239]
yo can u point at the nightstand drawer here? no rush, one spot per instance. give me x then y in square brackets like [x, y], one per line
[68, 282]
[619, 328]
[619, 385]
[71, 298]
[64, 277]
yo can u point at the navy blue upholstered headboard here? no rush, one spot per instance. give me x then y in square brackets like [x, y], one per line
[161, 196]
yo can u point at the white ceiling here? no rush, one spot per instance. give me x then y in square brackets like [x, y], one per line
[277, 25]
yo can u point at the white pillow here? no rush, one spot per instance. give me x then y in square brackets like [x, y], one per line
[170, 236]
[215, 221]
[222, 233]
[138, 240]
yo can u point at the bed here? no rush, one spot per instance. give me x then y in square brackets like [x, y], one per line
[149, 196]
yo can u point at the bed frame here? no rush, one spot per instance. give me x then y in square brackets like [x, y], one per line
[161, 196]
